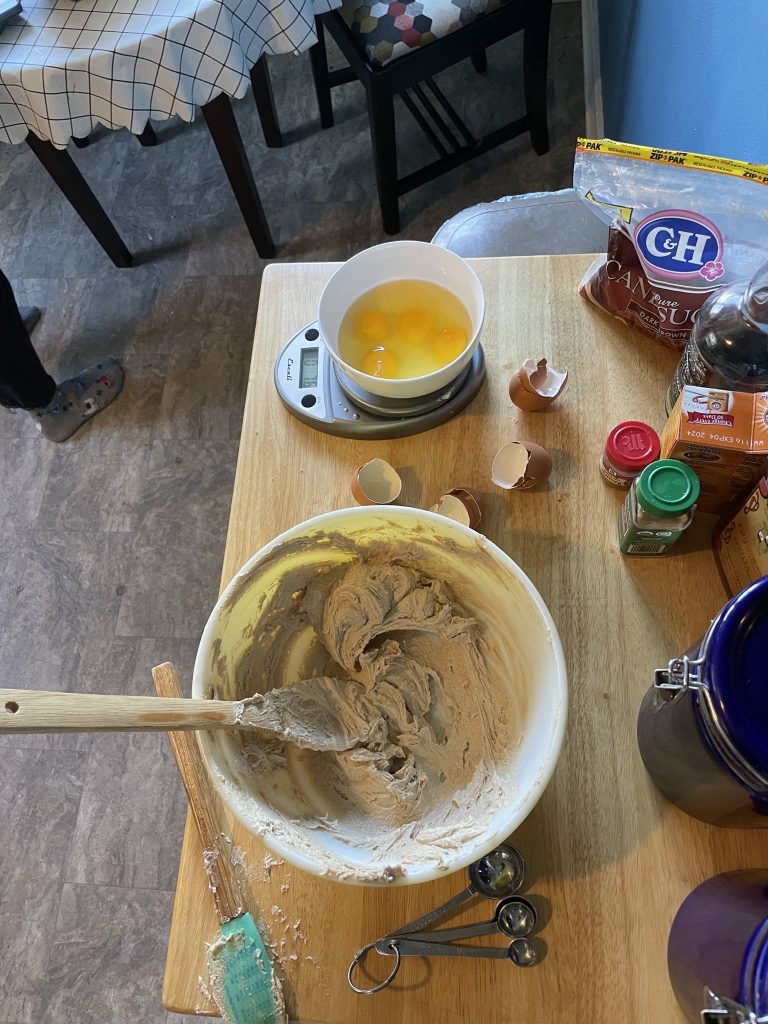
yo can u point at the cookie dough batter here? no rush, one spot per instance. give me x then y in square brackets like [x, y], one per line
[402, 728]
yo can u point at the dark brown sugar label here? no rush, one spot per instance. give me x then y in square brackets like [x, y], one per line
[620, 285]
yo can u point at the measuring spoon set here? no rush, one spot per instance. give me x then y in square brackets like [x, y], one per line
[499, 875]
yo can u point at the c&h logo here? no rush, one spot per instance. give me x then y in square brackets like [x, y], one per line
[679, 243]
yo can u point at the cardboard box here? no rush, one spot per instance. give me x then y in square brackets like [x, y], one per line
[723, 436]
[741, 546]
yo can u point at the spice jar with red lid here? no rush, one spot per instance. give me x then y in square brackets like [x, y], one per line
[629, 448]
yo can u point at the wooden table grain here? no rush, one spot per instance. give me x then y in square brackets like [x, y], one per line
[609, 856]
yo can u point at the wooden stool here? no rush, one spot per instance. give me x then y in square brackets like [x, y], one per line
[394, 48]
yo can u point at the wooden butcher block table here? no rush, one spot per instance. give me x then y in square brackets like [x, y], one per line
[608, 854]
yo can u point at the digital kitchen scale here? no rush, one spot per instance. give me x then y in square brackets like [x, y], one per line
[315, 390]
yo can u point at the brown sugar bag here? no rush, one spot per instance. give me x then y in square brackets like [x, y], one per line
[681, 225]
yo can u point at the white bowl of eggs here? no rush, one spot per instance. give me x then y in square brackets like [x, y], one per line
[402, 319]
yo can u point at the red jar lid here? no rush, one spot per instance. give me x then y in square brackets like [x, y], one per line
[632, 445]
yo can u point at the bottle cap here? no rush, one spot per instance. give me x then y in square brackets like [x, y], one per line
[631, 445]
[667, 488]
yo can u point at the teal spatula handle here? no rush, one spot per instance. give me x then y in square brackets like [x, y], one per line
[239, 964]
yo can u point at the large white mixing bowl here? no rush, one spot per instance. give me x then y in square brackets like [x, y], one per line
[489, 586]
[397, 261]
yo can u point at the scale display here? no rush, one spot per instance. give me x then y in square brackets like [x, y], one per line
[308, 367]
[313, 389]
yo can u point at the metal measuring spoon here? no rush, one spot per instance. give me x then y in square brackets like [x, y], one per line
[515, 917]
[498, 874]
[521, 952]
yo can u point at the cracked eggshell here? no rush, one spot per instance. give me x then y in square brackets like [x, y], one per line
[461, 504]
[521, 465]
[535, 385]
[376, 483]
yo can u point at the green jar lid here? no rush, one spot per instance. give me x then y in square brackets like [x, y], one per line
[667, 488]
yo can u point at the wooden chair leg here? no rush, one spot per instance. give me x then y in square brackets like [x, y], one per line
[318, 59]
[147, 137]
[480, 61]
[535, 51]
[65, 173]
[265, 104]
[222, 125]
[381, 116]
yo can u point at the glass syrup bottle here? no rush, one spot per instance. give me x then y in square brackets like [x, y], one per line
[728, 347]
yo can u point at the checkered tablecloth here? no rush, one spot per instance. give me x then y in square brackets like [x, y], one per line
[68, 65]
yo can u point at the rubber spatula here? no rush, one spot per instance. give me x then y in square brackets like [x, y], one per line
[239, 967]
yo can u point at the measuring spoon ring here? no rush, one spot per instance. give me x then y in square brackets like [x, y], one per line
[356, 959]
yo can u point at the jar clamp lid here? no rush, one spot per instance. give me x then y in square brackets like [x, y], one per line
[730, 677]
[720, 1010]
[668, 488]
[752, 1005]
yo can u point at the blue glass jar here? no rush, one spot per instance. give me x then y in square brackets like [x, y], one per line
[717, 952]
[703, 725]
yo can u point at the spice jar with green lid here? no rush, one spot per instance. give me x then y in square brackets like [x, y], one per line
[659, 506]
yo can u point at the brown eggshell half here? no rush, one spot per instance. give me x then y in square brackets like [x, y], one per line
[521, 465]
[462, 505]
[535, 385]
[376, 483]
[452, 508]
[471, 501]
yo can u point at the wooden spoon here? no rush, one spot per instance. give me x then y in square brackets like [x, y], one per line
[303, 713]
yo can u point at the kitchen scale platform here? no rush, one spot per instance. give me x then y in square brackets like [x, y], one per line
[314, 390]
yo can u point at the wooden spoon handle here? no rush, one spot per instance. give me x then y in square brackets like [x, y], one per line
[204, 802]
[42, 711]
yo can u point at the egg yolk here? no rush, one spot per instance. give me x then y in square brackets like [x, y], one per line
[415, 325]
[380, 362]
[448, 344]
[372, 326]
